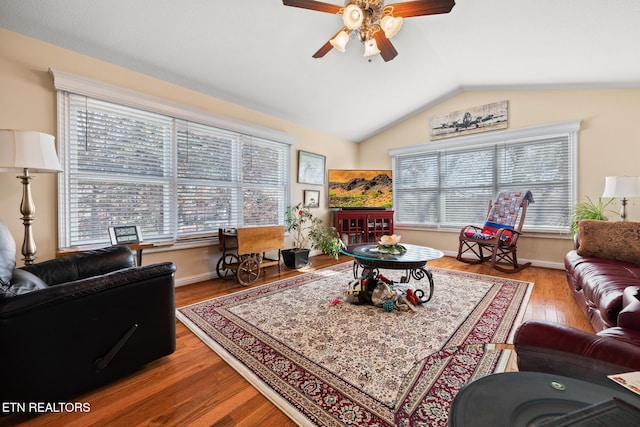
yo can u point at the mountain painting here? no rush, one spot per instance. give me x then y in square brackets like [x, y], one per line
[360, 189]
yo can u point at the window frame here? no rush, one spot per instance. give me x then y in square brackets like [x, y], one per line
[70, 83]
[568, 129]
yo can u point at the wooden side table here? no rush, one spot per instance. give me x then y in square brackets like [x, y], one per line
[137, 247]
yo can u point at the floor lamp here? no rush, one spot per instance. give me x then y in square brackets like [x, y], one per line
[622, 186]
[25, 152]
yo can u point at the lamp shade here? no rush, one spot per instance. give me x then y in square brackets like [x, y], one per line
[621, 186]
[390, 25]
[340, 40]
[352, 16]
[371, 47]
[28, 149]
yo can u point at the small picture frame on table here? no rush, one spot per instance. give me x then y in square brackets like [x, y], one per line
[311, 199]
[124, 234]
[310, 168]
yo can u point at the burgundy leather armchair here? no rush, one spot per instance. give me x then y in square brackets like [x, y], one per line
[603, 275]
[543, 346]
[71, 324]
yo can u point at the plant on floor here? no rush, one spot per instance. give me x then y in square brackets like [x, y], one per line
[300, 221]
[308, 231]
[326, 240]
[587, 210]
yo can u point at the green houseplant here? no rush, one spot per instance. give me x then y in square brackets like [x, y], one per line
[326, 240]
[308, 232]
[587, 210]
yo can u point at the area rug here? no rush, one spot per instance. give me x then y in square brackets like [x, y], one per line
[327, 362]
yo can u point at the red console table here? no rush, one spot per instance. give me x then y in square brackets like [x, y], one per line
[362, 227]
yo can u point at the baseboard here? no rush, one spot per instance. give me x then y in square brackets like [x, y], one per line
[534, 262]
[195, 279]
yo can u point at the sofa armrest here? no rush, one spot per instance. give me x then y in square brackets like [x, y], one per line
[82, 265]
[74, 337]
[629, 317]
[557, 349]
[56, 295]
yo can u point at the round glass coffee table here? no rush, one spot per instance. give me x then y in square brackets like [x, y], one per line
[368, 260]
[524, 399]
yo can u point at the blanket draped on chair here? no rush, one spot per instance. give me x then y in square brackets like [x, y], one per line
[503, 214]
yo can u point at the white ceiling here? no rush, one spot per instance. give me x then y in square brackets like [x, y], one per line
[257, 53]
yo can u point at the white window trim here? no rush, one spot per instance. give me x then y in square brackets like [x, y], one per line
[568, 127]
[73, 83]
[108, 92]
[488, 138]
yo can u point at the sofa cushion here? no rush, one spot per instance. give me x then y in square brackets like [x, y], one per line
[629, 317]
[7, 255]
[21, 283]
[618, 241]
[604, 287]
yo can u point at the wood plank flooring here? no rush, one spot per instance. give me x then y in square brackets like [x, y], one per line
[195, 387]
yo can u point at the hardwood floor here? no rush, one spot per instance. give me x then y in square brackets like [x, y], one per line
[194, 387]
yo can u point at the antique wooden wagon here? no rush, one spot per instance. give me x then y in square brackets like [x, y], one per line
[244, 252]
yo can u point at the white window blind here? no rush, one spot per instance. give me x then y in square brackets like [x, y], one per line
[449, 184]
[175, 178]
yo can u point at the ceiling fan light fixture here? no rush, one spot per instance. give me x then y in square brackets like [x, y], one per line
[352, 16]
[390, 25]
[371, 48]
[340, 41]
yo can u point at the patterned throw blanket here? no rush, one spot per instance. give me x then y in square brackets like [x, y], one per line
[503, 214]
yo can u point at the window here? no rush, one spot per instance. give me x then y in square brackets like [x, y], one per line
[448, 184]
[174, 172]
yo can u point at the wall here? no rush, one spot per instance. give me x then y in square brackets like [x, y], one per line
[28, 101]
[607, 145]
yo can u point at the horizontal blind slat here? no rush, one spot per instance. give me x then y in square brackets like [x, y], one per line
[174, 178]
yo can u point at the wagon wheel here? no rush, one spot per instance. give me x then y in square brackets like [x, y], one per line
[222, 268]
[248, 271]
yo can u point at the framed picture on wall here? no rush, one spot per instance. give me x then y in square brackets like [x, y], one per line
[311, 199]
[310, 168]
[482, 118]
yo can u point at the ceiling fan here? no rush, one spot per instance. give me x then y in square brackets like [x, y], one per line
[372, 21]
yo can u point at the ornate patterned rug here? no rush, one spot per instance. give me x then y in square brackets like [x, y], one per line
[328, 364]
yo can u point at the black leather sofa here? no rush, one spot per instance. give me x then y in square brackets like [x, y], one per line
[72, 324]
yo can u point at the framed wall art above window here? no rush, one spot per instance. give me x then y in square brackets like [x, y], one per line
[483, 118]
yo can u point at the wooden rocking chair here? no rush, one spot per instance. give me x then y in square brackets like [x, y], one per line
[499, 235]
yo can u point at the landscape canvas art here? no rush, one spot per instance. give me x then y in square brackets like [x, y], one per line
[358, 189]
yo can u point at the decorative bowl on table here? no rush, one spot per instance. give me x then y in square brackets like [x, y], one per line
[391, 245]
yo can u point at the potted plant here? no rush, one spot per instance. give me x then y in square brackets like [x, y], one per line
[326, 240]
[299, 221]
[587, 210]
[308, 232]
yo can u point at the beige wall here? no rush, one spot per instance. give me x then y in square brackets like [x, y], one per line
[608, 144]
[28, 101]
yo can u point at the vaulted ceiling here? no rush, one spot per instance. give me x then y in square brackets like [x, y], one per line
[257, 53]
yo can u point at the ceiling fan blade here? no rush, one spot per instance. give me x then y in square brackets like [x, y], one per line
[313, 5]
[327, 46]
[323, 50]
[387, 51]
[408, 9]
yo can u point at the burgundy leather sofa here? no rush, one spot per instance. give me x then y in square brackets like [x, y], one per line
[71, 324]
[603, 274]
